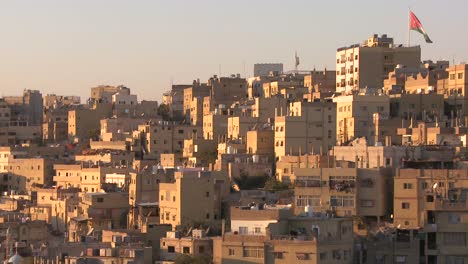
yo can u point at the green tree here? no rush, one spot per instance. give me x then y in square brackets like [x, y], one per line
[187, 259]
[273, 185]
[164, 111]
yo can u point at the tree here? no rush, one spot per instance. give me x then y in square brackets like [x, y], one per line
[273, 185]
[165, 112]
[187, 259]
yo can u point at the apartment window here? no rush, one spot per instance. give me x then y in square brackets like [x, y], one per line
[243, 230]
[302, 256]
[323, 255]
[173, 198]
[424, 185]
[400, 259]
[232, 252]
[329, 134]
[364, 108]
[201, 249]
[454, 218]
[454, 238]
[162, 197]
[100, 200]
[253, 252]
[208, 216]
[460, 76]
[207, 194]
[181, 131]
[405, 205]
[257, 230]
[455, 260]
[167, 216]
[452, 76]
[407, 186]
[171, 249]
[307, 200]
[329, 118]
[278, 255]
[342, 201]
[367, 203]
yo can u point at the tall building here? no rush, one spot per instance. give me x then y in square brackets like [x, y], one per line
[306, 127]
[355, 115]
[181, 204]
[368, 64]
[433, 204]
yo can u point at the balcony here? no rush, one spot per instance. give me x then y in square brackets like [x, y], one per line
[446, 205]
[308, 183]
[342, 186]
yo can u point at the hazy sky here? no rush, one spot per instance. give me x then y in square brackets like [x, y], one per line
[66, 47]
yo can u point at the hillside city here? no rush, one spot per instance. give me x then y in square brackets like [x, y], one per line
[367, 163]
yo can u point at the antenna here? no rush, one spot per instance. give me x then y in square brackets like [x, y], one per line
[245, 73]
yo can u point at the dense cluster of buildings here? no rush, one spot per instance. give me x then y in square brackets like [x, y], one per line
[363, 164]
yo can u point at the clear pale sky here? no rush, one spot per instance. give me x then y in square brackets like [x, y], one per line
[66, 47]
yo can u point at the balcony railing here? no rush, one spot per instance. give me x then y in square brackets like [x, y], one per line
[450, 205]
[342, 186]
[307, 183]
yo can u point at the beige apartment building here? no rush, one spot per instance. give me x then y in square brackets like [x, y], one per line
[196, 111]
[97, 212]
[273, 88]
[87, 177]
[455, 89]
[164, 137]
[433, 202]
[345, 191]
[355, 115]
[215, 126]
[306, 127]
[432, 133]
[417, 106]
[24, 175]
[368, 64]
[104, 93]
[175, 245]
[226, 90]
[423, 79]
[174, 99]
[275, 235]
[84, 123]
[239, 125]
[322, 82]
[182, 206]
[265, 108]
[198, 90]
[286, 165]
[199, 152]
[261, 141]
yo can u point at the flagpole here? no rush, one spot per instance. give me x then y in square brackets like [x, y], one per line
[409, 25]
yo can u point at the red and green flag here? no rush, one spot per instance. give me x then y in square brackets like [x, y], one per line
[415, 24]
